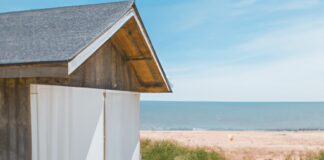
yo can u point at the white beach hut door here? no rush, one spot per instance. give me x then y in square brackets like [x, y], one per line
[122, 126]
[67, 123]
[84, 124]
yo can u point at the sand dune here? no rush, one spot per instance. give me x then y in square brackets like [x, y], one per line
[237, 145]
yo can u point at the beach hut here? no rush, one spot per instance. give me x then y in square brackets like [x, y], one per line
[70, 82]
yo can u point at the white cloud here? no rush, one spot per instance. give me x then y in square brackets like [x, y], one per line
[302, 38]
[298, 79]
[294, 70]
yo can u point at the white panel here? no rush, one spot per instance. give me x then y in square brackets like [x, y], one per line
[67, 123]
[87, 106]
[122, 126]
[97, 145]
[34, 121]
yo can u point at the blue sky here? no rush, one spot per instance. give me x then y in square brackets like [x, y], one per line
[230, 50]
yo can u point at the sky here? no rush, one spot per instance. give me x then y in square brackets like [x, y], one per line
[230, 50]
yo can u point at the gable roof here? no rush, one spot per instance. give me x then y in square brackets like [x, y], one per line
[54, 35]
[56, 42]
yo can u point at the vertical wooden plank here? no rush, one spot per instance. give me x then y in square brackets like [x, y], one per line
[110, 62]
[118, 75]
[12, 130]
[4, 123]
[114, 69]
[22, 119]
[15, 142]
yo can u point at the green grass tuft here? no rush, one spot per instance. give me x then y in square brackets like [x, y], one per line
[166, 150]
[320, 156]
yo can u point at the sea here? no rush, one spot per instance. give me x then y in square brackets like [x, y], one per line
[238, 116]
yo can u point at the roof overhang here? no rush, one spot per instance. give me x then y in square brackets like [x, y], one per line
[146, 65]
[87, 52]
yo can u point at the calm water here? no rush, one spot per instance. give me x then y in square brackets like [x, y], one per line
[231, 116]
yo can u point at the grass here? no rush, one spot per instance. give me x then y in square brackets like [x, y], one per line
[167, 150]
[306, 156]
[318, 157]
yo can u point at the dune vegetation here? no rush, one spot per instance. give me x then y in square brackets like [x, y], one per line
[168, 150]
[320, 156]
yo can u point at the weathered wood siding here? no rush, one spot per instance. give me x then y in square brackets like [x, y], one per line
[107, 69]
[15, 133]
[34, 70]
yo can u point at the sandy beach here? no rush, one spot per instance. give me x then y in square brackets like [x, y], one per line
[241, 145]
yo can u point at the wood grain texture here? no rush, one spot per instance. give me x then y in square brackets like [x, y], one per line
[106, 69]
[130, 42]
[34, 70]
[15, 141]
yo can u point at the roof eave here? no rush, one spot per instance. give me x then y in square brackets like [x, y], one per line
[149, 43]
[87, 52]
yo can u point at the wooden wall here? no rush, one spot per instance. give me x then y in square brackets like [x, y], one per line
[15, 133]
[107, 69]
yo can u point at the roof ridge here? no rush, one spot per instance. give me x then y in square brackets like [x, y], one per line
[62, 7]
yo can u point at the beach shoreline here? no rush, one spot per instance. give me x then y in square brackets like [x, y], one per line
[236, 145]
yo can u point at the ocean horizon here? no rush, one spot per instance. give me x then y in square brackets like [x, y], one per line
[232, 116]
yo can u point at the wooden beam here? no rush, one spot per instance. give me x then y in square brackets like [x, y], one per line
[152, 84]
[34, 70]
[139, 58]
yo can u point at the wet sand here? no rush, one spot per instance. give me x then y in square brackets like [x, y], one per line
[254, 145]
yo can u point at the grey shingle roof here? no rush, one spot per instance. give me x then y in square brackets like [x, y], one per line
[53, 35]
